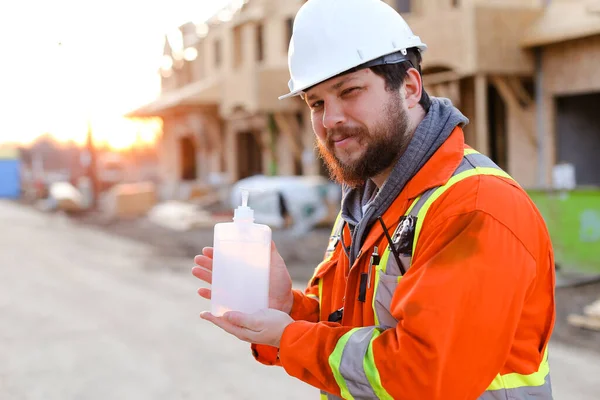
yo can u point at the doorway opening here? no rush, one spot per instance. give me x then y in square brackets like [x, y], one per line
[187, 150]
[249, 155]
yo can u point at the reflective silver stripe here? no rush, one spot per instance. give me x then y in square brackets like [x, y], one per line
[464, 165]
[386, 285]
[543, 392]
[392, 266]
[351, 365]
[383, 299]
[421, 201]
[468, 162]
[481, 161]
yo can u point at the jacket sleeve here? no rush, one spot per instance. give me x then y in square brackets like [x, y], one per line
[461, 299]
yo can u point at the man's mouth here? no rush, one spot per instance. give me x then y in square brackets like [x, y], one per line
[342, 140]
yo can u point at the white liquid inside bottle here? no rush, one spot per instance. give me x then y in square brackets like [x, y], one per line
[241, 263]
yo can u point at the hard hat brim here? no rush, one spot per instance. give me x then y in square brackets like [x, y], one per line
[394, 57]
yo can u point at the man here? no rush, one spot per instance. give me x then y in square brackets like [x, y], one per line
[438, 281]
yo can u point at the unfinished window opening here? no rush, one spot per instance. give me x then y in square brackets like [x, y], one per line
[187, 150]
[289, 29]
[298, 163]
[217, 50]
[497, 135]
[260, 43]
[198, 64]
[578, 136]
[249, 155]
[237, 46]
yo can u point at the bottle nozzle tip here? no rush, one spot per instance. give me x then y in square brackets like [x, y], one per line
[245, 195]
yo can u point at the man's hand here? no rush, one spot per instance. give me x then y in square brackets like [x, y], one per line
[280, 283]
[262, 327]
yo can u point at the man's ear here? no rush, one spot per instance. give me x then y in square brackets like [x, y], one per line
[413, 88]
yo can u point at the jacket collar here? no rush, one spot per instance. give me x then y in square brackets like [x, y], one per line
[440, 167]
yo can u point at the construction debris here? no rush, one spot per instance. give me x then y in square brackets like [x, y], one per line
[130, 200]
[590, 319]
[182, 216]
[64, 197]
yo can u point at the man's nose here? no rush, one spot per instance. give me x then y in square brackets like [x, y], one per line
[333, 115]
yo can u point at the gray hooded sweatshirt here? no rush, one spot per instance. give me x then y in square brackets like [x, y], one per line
[431, 133]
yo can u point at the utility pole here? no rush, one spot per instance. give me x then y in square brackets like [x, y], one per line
[91, 167]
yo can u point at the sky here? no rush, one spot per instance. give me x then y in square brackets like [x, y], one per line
[64, 62]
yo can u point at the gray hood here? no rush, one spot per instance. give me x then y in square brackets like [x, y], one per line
[431, 133]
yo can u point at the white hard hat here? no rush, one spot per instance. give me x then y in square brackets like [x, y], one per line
[334, 36]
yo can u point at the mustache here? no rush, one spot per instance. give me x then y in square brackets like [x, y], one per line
[344, 132]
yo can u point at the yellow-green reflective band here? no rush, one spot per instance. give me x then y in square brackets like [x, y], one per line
[455, 179]
[413, 204]
[386, 253]
[335, 224]
[383, 264]
[470, 151]
[384, 258]
[375, 288]
[335, 360]
[320, 290]
[514, 380]
[371, 371]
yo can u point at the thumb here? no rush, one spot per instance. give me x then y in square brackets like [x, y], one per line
[247, 321]
[274, 252]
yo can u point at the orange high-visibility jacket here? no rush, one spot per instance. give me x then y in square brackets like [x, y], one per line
[472, 316]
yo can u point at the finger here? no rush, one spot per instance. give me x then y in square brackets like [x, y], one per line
[208, 252]
[204, 262]
[205, 292]
[202, 274]
[228, 327]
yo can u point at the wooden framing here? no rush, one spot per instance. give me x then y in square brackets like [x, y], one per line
[288, 126]
[481, 114]
[517, 100]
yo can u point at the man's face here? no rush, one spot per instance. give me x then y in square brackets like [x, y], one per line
[361, 128]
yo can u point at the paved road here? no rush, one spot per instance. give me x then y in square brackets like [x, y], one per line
[84, 315]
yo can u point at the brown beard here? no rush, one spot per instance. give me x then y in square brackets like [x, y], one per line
[385, 144]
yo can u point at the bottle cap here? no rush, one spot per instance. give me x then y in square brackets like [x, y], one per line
[243, 212]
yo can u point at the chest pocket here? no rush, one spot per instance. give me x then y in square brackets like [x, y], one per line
[388, 273]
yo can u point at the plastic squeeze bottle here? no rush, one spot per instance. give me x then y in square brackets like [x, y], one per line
[241, 263]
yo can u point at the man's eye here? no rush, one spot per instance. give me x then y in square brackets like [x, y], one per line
[349, 90]
[316, 104]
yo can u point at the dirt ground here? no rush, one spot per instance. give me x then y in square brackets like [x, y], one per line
[572, 300]
[302, 255]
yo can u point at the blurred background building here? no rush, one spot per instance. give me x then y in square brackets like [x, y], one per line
[521, 71]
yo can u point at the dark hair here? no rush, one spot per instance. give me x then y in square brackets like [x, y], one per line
[394, 75]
